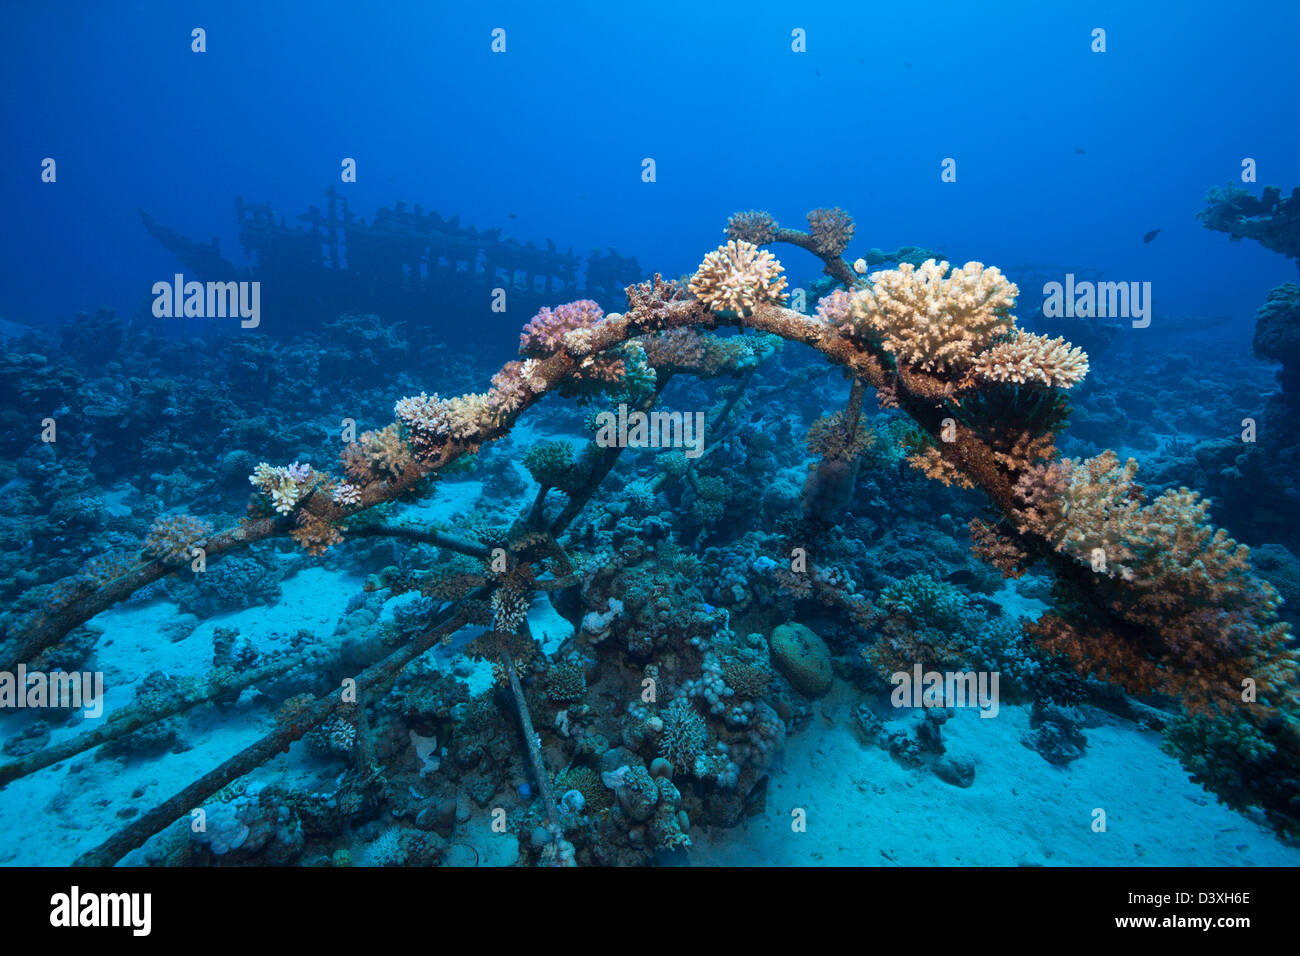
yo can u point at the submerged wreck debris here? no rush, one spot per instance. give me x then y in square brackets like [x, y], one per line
[405, 264]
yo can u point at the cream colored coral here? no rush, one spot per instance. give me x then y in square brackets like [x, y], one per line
[284, 484]
[930, 319]
[737, 277]
[347, 494]
[1029, 358]
[1101, 510]
[433, 421]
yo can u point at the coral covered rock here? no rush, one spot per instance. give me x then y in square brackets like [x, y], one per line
[803, 657]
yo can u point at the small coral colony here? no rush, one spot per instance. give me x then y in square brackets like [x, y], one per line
[649, 619]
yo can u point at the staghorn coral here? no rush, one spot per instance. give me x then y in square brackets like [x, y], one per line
[932, 320]
[831, 229]
[755, 226]
[1097, 510]
[171, 537]
[1019, 451]
[1040, 498]
[738, 276]
[1026, 358]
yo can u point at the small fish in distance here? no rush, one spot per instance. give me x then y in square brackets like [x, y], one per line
[1151, 235]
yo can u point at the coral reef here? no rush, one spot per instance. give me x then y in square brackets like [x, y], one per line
[614, 616]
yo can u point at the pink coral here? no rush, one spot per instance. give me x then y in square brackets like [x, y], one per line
[544, 335]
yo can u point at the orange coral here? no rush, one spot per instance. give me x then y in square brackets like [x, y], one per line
[314, 533]
[929, 461]
[991, 546]
[1187, 617]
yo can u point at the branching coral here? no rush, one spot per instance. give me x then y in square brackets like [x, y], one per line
[1187, 618]
[553, 329]
[1097, 512]
[434, 422]
[737, 277]
[565, 682]
[315, 534]
[685, 734]
[995, 548]
[285, 485]
[933, 624]
[929, 461]
[929, 319]
[376, 454]
[829, 437]
[831, 229]
[509, 608]
[1035, 359]
[172, 537]
[756, 227]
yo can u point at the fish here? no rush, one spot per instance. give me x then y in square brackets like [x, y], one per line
[1151, 235]
[1079, 151]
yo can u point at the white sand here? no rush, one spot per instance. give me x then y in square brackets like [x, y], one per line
[862, 807]
[865, 809]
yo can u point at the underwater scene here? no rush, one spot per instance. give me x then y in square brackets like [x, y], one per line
[693, 435]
